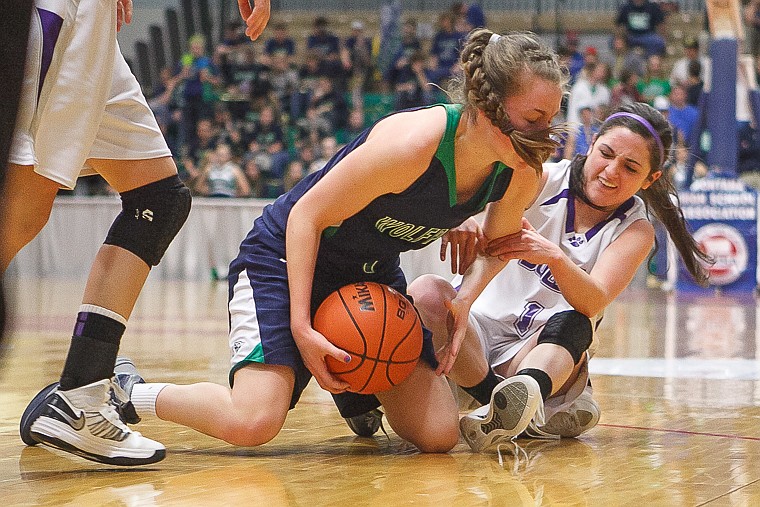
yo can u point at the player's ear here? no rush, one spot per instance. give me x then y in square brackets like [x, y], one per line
[651, 179]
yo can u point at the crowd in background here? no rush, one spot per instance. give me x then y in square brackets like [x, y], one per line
[251, 120]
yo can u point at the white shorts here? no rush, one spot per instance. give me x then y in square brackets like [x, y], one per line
[79, 98]
[498, 340]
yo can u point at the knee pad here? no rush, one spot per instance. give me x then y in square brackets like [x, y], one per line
[570, 330]
[150, 217]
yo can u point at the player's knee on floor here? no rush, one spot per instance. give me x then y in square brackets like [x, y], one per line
[150, 218]
[570, 330]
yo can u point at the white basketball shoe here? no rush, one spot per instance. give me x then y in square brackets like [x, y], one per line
[514, 402]
[84, 421]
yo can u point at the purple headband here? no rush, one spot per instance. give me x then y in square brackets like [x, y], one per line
[648, 126]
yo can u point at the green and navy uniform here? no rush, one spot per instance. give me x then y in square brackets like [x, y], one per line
[363, 248]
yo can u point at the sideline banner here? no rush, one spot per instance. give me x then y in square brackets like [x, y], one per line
[722, 214]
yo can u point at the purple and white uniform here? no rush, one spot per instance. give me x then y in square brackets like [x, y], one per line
[522, 297]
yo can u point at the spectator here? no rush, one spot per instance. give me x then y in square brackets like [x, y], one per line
[328, 147]
[356, 55]
[625, 91]
[281, 43]
[579, 140]
[205, 140]
[248, 79]
[285, 84]
[325, 44]
[233, 40]
[682, 117]
[641, 21]
[312, 128]
[329, 103]
[654, 82]
[576, 61]
[299, 167]
[446, 44]
[694, 83]
[625, 58]
[589, 90]
[413, 84]
[410, 44]
[679, 75]
[752, 19]
[221, 176]
[354, 127]
[308, 75]
[198, 75]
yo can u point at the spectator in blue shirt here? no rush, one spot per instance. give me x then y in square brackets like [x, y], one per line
[641, 20]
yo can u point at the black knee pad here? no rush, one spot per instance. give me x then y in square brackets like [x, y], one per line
[150, 217]
[570, 330]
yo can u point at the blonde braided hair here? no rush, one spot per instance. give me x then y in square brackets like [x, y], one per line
[493, 70]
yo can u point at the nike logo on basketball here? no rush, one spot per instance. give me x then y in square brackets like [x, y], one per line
[77, 423]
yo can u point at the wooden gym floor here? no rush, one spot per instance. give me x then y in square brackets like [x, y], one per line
[677, 379]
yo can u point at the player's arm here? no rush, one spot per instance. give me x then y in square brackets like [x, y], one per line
[589, 293]
[395, 154]
[502, 218]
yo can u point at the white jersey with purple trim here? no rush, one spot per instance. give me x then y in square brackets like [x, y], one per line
[522, 297]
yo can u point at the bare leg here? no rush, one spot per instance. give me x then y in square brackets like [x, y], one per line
[252, 413]
[422, 410]
[24, 209]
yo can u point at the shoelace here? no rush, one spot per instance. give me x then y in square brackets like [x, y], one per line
[517, 454]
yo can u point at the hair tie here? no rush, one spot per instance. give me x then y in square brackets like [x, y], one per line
[494, 37]
[648, 126]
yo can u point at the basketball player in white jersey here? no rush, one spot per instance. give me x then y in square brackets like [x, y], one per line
[82, 112]
[527, 339]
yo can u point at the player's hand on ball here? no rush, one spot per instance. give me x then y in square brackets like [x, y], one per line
[314, 347]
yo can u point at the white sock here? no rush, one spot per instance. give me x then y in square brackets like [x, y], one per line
[144, 397]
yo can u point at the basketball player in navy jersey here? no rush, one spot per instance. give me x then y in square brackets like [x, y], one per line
[82, 112]
[526, 348]
[399, 186]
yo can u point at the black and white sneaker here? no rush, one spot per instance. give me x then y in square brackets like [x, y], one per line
[84, 421]
[366, 425]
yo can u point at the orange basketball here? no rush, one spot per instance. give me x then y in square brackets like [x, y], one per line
[379, 328]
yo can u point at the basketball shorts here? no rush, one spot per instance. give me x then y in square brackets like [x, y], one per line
[259, 312]
[79, 97]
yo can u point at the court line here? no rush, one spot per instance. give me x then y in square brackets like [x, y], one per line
[683, 432]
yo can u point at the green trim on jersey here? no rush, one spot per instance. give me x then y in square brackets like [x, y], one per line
[445, 154]
[445, 151]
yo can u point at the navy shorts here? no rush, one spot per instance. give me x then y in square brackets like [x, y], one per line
[259, 311]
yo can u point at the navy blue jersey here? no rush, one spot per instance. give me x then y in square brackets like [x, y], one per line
[373, 238]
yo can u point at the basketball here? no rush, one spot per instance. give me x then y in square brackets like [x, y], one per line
[378, 327]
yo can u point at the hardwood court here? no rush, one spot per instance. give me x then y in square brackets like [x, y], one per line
[677, 379]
